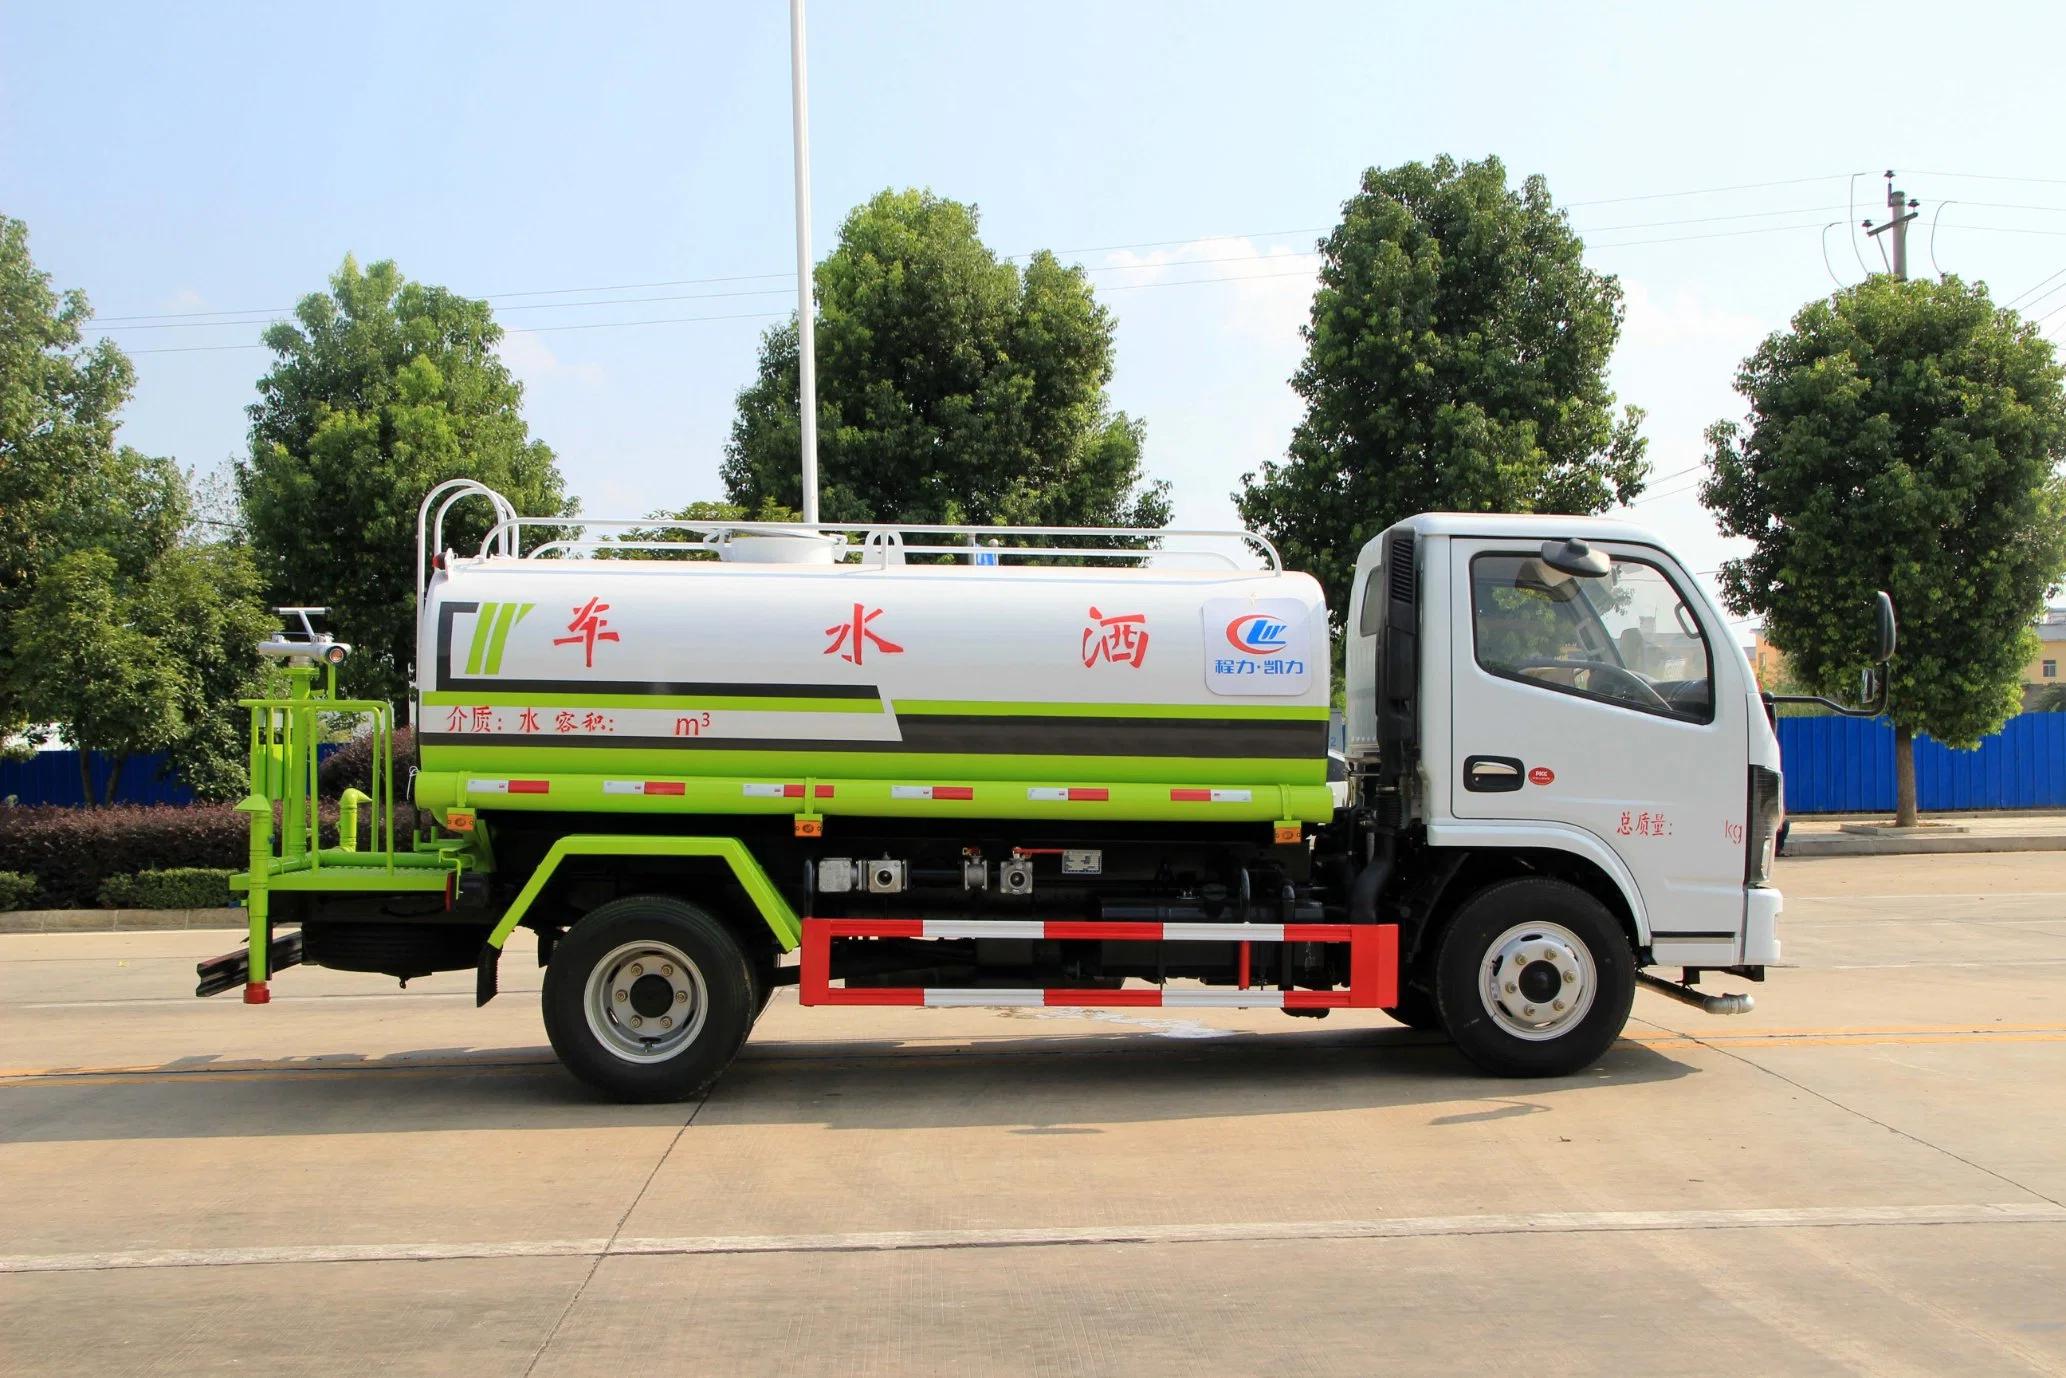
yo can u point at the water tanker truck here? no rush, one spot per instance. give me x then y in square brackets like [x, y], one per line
[962, 766]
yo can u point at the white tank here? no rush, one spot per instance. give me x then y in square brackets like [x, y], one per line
[609, 666]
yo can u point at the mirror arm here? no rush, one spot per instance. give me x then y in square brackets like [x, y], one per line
[1877, 708]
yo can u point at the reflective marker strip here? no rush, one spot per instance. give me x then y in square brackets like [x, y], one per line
[772, 791]
[946, 998]
[932, 792]
[1073, 794]
[509, 787]
[643, 787]
[1211, 796]
[951, 928]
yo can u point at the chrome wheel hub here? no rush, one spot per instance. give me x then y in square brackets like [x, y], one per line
[1539, 980]
[645, 1001]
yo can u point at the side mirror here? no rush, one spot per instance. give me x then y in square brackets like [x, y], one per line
[1575, 557]
[1888, 635]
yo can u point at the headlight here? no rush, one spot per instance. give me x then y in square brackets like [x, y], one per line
[1767, 810]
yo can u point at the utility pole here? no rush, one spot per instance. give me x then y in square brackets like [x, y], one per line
[1897, 221]
[1898, 216]
[806, 306]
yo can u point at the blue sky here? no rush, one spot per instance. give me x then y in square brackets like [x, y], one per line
[224, 158]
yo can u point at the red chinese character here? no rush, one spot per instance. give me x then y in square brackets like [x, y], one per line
[1120, 640]
[564, 722]
[1624, 829]
[1643, 826]
[595, 722]
[484, 719]
[587, 627]
[529, 722]
[853, 632]
[457, 722]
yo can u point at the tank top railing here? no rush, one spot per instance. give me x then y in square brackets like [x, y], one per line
[868, 544]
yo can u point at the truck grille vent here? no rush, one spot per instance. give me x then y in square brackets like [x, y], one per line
[1399, 560]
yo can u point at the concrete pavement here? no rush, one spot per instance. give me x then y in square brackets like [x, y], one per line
[1865, 1175]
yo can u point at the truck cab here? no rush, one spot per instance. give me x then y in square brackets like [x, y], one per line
[1556, 698]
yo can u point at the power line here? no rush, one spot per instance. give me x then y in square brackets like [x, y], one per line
[1993, 177]
[2028, 290]
[1718, 234]
[1204, 282]
[1708, 219]
[534, 306]
[1704, 191]
[714, 296]
[513, 330]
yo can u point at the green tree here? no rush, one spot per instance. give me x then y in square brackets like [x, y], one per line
[1456, 360]
[1902, 436]
[83, 665]
[952, 387]
[382, 389]
[64, 483]
[202, 610]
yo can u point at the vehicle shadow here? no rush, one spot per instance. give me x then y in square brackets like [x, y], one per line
[1064, 1084]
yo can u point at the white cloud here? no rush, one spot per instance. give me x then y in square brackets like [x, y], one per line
[535, 364]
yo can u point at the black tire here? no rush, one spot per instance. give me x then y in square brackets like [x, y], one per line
[1576, 945]
[622, 949]
[1417, 1009]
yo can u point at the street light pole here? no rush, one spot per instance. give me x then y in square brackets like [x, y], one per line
[806, 306]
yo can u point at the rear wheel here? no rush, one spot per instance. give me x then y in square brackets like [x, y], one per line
[1535, 978]
[648, 999]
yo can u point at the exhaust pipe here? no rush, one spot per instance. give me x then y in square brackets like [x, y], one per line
[1712, 1004]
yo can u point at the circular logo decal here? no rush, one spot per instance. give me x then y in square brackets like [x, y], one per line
[1258, 634]
[1541, 775]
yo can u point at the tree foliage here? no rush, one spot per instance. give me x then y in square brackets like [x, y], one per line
[202, 609]
[65, 485]
[84, 666]
[952, 386]
[382, 389]
[1456, 360]
[1902, 436]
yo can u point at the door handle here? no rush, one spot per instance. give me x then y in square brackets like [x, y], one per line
[1493, 774]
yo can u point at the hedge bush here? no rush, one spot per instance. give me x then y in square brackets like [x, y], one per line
[183, 887]
[15, 889]
[351, 766]
[73, 852]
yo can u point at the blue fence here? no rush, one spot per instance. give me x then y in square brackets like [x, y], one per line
[52, 777]
[1846, 765]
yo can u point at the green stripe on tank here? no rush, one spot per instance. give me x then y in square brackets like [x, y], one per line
[631, 763]
[509, 616]
[483, 625]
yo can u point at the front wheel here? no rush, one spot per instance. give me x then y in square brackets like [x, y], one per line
[648, 999]
[1534, 979]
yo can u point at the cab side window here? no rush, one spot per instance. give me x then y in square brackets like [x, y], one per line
[1628, 638]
